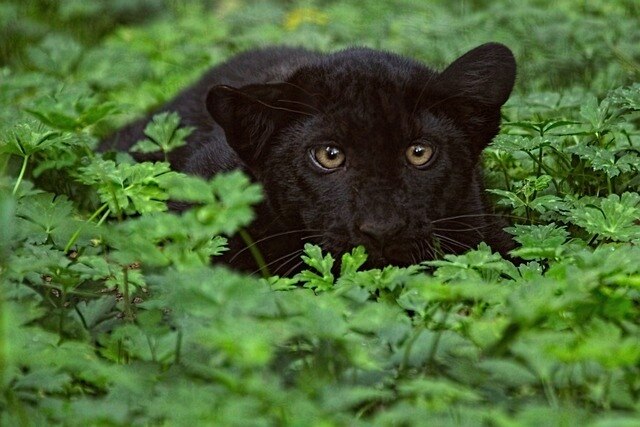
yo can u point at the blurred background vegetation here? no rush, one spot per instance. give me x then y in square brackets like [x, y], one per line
[159, 46]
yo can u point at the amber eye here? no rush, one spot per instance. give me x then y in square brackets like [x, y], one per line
[327, 156]
[418, 155]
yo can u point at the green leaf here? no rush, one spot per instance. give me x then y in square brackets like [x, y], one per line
[628, 97]
[128, 188]
[614, 218]
[7, 224]
[606, 159]
[97, 310]
[438, 391]
[539, 241]
[351, 262]
[27, 138]
[56, 54]
[70, 109]
[323, 279]
[46, 217]
[44, 380]
[509, 198]
[599, 116]
[480, 264]
[164, 134]
[602, 342]
[187, 188]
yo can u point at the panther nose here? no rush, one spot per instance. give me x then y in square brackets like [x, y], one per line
[380, 232]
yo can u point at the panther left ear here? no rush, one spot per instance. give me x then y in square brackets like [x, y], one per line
[484, 75]
[474, 87]
[250, 115]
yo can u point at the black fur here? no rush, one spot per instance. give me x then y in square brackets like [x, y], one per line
[264, 110]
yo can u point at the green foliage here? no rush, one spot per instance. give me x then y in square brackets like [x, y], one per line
[163, 134]
[112, 313]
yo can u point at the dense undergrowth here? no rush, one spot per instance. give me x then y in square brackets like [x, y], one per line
[111, 314]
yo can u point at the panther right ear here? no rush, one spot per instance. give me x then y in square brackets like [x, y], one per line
[251, 114]
[474, 87]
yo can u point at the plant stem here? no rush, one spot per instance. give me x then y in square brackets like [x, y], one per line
[128, 314]
[407, 350]
[3, 340]
[178, 347]
[4, 163]
[152, 349]
[436, 339]
[539, 161]
[502, 345]
[25, 160]
[549, 392]
[255, 252]
[115, 202]
[105, 216]
[62, 312]
[75, 235]
[507, 180]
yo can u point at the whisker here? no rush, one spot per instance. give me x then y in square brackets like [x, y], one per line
[478, 215]
[311, 236]
[313, 95]
[468, 228]
[273, 107]
[424, 246]
[476, 229]
[271, 236]
[422, 90]
[434, 253]
[420, 254]
[453, 241]
[304, 104]
[289, 110]
[289, 258]
[444, 248]
[292, 269]
[440, 101]
[414, 245]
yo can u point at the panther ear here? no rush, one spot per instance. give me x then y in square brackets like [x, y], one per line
[250, 115]
[484, 75]
[473, 88]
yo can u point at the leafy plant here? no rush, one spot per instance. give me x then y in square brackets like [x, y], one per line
[113, 310]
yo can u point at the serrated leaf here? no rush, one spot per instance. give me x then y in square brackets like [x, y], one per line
[7, 223]
[480, 264]
[615, 217]
[439, 390]
[27, 138]
[128, 188]
[539, 241]
[606, 159]
[509, 198]
[70, 109]
[46, 217]
[321, 264]
[352, 261]
[56, 54]
[47, 379]
[164, 134]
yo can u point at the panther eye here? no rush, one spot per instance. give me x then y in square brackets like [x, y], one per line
[418, 155]
[327, 157]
